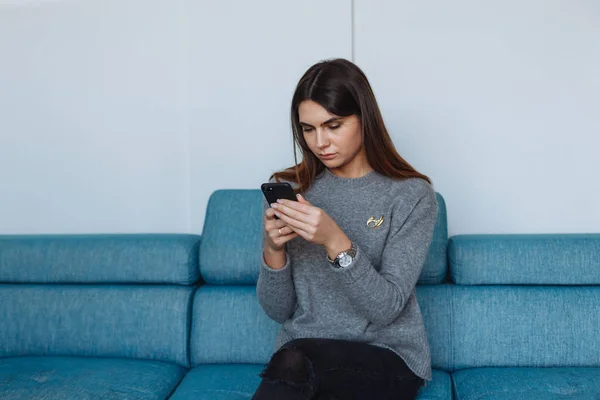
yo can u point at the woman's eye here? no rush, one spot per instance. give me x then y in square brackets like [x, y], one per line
[333, 127]
[306, 129]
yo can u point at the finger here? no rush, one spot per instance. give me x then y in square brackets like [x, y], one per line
[275, 235]
[286, 230]
[278, 228]
[284, 239]
[274, 224]
[302, 200]
[301, 233]
[270, 214]
[271, 219]
[292, 213]
[294, 205]
[277, 232]
[294, 223]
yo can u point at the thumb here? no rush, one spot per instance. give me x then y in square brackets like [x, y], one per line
[302, 200]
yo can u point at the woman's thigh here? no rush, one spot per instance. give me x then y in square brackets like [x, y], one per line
[354, 370]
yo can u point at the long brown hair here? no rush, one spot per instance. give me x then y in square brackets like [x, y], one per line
[342, 89]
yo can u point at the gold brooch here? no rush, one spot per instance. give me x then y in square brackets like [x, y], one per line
[374, 222]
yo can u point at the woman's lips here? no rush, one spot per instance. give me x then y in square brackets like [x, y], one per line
[327, 156]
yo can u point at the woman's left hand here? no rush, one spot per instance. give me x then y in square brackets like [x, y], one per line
[313, 224]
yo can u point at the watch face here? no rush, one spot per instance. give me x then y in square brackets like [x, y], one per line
[345, 260]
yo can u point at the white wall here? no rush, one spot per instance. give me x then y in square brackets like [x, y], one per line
[246, 63]
[498, 101]
[123, 116]
[92, 117]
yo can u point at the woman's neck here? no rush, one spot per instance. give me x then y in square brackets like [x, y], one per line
[356, 168]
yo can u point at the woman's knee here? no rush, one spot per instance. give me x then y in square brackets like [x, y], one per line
[290, 366]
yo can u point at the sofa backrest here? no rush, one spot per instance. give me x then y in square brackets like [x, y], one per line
[228, 325]
[550, 319]
[141, 258]
[525, 326]
[542, 259]
[102, 295]
[232, 240]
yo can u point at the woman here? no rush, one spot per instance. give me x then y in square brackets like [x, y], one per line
[340, 265]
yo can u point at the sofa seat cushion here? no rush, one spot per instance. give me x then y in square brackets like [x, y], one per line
[52, 378]
[527, 383]
[440, 387]
[219, 382]
[239, 381]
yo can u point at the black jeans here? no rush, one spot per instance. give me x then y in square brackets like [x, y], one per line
[305, 369]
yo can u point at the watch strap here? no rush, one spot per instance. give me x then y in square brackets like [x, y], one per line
[351, 251]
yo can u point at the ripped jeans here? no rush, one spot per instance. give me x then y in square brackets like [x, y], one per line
[310, 368]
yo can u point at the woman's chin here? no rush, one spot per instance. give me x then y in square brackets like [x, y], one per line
[333, 163]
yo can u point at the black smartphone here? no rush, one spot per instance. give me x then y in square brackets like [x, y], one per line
[274, 191]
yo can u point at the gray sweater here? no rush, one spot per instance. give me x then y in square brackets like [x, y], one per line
[373, 300]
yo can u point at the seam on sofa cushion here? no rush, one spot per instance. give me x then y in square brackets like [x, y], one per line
[452, 353]
[454, 387]
[188, 330]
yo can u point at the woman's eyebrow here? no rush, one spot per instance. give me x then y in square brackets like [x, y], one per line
[330, 120]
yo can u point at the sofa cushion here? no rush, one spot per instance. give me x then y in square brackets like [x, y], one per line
[527, 383]
[525, 326]
[144, 258]
[136, 321]
[58, 378]
[229, 326]
[440, 387]
[231, 237]
[219, 382]
[525, 259]
[239, 382]
[436, 307]
[232, 240]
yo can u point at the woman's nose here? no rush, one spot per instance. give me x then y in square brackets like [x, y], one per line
[322, 140]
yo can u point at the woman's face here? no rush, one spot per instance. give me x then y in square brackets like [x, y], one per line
[336, 141]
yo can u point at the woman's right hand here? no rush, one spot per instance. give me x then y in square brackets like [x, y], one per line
[278, 233]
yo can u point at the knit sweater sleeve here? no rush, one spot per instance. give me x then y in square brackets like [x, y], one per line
[275, 287]
[381, 295]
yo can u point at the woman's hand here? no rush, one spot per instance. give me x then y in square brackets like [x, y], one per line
[277, 231]
[313, 224]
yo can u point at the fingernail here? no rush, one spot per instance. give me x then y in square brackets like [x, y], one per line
[276, 213]
[279, 201]
[274, 205]
[299, 196]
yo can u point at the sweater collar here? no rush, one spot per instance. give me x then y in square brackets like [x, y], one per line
[359, 182]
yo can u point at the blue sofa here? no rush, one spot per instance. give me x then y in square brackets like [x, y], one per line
[175, 316]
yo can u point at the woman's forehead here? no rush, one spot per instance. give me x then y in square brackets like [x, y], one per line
[312, 113]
